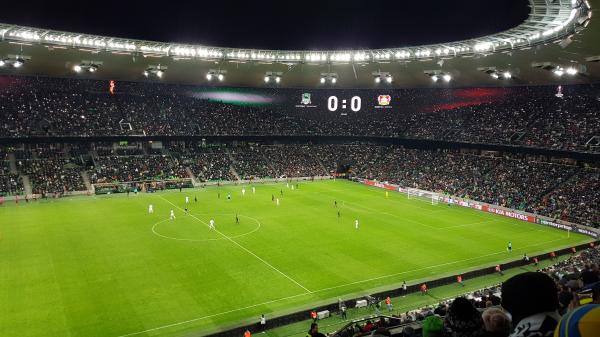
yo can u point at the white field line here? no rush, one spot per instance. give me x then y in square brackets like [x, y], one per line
[433, 267]
[213, 315]
[243, 248]
[470, 224]
[155, 232]
[375, 211]
[330, 288]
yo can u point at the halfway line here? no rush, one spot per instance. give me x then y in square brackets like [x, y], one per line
[244, 248]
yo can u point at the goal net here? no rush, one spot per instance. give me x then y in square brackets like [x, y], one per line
[414, 193]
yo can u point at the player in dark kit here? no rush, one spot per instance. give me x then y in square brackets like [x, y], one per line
[509, 247]
[237, 219]
[335, 203]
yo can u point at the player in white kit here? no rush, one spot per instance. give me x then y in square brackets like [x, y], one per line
[172, 217]
[243, 192]
[150, 209]
[187, 200]
[253, 190]
[356, 223]
[277, 201]
[211, 224]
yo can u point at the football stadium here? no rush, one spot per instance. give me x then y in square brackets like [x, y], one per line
[249, 182]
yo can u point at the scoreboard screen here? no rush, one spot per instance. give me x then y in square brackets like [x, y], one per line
[352, 101]
[339, 102]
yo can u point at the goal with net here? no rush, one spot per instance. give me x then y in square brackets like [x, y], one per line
[415, 193]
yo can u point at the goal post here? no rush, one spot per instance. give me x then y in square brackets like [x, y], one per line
[415, 193]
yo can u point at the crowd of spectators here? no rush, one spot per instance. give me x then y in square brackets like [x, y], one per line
[205, 163]
[529, 116]
[52, 175]
[531, 183]
[252, 162]
[576, 199]
[10, 183]
[294, 160]
[526, 305]
[110, 169]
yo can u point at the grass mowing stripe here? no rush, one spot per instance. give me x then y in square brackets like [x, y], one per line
[243, 248]
[92, 266]
[321, 290]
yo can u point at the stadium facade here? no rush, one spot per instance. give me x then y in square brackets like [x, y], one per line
[557, 35]
[505, 124]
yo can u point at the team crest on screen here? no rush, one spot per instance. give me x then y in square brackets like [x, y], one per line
[384, 99]
[306, 101]
[305, 98]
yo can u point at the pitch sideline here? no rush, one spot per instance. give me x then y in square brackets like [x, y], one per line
[324, 289]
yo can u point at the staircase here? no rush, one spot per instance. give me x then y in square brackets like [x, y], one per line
[277, 174]
[558, 184]
[516, 136]
[12, 162]
[94, 156]
[231, 169]
[325, 170]
[86, 180]
[234, 172]
[191, 175]
[27, 185]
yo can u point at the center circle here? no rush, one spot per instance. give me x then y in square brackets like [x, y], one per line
[194, 226]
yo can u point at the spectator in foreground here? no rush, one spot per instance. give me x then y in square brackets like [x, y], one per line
[496, 322]
[531, 299]
[381, 332]
[433, 326]
[463, 320]
[314, 331]
[584, 321]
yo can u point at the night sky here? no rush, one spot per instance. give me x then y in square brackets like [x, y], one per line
[269, 24]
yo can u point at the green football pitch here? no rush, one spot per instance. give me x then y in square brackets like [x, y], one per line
[104, 267]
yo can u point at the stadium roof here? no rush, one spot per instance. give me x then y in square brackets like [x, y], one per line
[559, 35]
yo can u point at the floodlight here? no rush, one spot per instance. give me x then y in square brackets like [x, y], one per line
[507, 75]
[559, 72]
[2, 63]
[267, 78]
[209, 76]
[277, 79]
[159, 73]
[146, 73]
[447, 77]
[221, 77]
[571, 71]
[377, 79]
[389, 79]
[77, 68]
[18, 63]
[92, 69]
[494, 75]
[333, 80]
[322, 80]
[435, 78]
